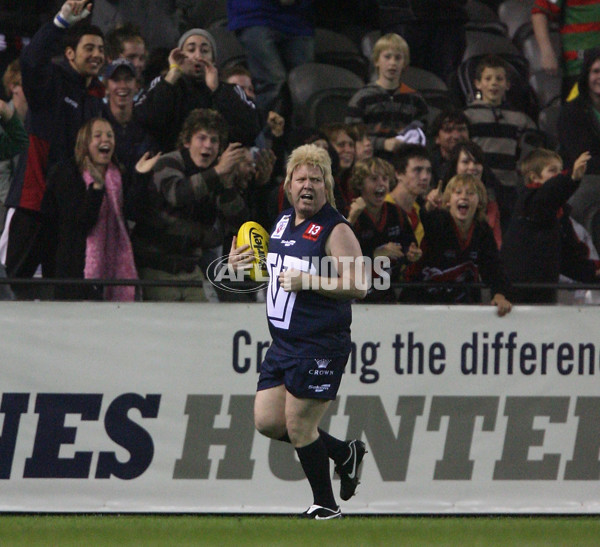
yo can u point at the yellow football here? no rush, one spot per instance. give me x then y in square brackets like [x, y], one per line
[253, 234]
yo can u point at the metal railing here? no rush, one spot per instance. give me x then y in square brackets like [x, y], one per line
[142, 283]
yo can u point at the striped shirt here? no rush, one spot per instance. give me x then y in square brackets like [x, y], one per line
[497, 131]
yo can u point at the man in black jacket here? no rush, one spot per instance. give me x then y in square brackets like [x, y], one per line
[61, 96]
[193, 82]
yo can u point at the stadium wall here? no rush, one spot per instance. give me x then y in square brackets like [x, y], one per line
[148, 408]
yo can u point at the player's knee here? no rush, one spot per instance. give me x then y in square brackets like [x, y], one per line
[300, 431]
[260, 425]
[268, 427]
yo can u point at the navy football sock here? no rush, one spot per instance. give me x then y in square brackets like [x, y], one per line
[337, 450]
[315, 462]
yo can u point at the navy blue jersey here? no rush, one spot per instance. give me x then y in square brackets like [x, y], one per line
[305, 324]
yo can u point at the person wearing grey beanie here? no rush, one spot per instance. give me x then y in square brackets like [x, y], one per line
[195, 56]
[199, 32]
[192, 81]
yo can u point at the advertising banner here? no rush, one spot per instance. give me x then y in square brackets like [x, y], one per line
[147, 407]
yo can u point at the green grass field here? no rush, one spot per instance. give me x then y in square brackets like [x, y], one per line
[91, 530]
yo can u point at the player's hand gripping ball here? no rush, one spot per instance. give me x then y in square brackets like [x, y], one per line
[253, 234]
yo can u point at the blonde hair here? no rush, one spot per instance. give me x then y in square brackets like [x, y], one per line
[534, 162]
[84, 137]
[312, 155]
[394, 42]
[472, 182]
[370, 166]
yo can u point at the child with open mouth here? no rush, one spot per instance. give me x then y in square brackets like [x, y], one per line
[382, 228]
[459, 247]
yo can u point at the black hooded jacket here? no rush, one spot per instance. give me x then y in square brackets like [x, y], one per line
[579, 124]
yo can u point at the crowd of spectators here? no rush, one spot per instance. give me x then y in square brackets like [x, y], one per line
[127, 157]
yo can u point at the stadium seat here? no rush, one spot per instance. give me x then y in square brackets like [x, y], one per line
[428, 84]
[548, 121]
[205, 14]
[216, 11]
[546, 87]
[480, 12]
[337, 49]
[479, 44]
[218, 22]
[320, 93]
[367, 43]
[514, 14]
[484, 43]
[520, 94]
[230, 51]
[483, 18]
[536, 138]
[531, 51]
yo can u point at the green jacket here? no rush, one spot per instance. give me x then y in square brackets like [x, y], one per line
[13, 139]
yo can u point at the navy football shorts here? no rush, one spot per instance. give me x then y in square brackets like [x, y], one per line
[305, 378]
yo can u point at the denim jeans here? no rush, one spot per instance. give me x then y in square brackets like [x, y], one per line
[271, 55]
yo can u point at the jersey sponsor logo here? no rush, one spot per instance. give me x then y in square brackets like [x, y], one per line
[312, 232]
[319, 389]
[288, 242]
[316, 372]
[281, 226]
[321, 369]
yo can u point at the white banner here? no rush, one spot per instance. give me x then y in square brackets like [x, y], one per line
[148, 408]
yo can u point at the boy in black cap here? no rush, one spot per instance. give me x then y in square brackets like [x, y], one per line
[131, 139]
